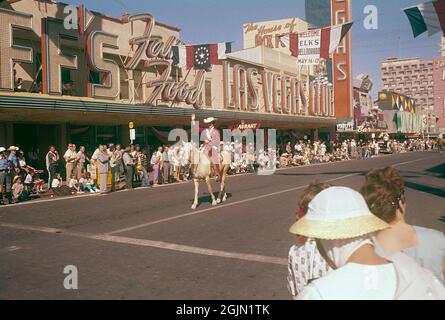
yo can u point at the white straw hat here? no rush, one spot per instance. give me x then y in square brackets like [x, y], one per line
[210, 120]
[2, 149]
[337, 213]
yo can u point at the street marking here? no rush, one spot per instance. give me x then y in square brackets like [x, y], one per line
[31, 228]
[192, 250]
[192, 213]
[153, 244]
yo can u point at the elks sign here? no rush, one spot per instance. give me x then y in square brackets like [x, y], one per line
[149, 53]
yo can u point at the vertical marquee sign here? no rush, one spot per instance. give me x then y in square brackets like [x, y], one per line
[342, 66]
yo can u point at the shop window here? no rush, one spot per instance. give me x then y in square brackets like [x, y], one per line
[140, 136]
[106, 134]
[94, 77]
[67, 82]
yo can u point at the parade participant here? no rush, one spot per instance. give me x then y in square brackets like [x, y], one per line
[103, 160]
[51, 159]
[340, 220]
[305, 263]
[3, 172]
[385, 194]
[211, 138]
[70, 157]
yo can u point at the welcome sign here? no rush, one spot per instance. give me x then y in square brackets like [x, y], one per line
[309, 45]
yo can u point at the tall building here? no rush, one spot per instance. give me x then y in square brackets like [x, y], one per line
[411, 77]
[318, 13]
[323, 13]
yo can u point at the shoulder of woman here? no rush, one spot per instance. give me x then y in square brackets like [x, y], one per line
[430, 235]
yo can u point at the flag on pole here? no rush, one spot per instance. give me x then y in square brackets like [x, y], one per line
[310, 46]
[428, 16]
[200, 56]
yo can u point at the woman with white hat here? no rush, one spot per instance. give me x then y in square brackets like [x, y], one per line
[342, 224]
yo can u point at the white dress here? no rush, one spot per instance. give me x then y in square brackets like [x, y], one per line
[354, 282]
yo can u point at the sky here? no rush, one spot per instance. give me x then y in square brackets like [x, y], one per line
[211, 21]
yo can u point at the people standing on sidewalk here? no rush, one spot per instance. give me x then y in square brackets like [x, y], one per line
[3, 172]
[119, 155]
[143, 162]
[70, 157]
[51, 159]
[129, 165]
[166, 165]
[13, 170]
[115, 165]
[81, 158]
[103, 160]
[154, 161]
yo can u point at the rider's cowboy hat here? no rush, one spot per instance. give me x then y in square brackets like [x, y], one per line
[2, 149]
[16, 178]
[210, 120]
[338, 213]
[13, 148]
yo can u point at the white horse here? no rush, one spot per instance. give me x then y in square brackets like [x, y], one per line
[202, 171]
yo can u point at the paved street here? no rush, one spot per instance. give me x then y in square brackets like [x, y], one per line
[149, 244]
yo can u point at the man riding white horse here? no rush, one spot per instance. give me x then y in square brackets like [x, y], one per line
[208, 157]
[212, 139]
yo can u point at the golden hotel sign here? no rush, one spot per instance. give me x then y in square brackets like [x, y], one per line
[148, 52]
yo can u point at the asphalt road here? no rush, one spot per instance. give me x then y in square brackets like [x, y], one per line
[149, 244]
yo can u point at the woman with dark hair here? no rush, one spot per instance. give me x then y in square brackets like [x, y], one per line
[305, 262]
[385, 194]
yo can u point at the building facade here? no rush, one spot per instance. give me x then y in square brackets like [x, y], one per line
[318, 13]
[85, 85]
[400, 114]
[439, 92]
[414, 78]
[268, 33]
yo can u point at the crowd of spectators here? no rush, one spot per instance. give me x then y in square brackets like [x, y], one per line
[76, 171]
